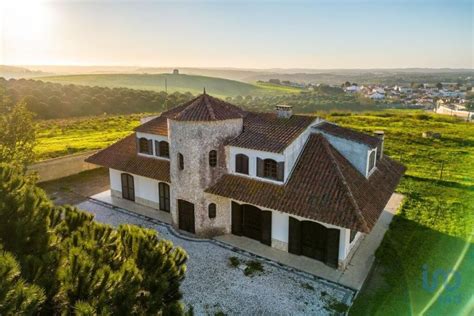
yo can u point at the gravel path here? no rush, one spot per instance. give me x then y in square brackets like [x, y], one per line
[212, 285]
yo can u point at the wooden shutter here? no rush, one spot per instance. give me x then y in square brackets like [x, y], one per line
[157, 148]
[260, 167]
[332, 247]
[245, 164]
[238, 163]
[281, 171]
[150, 147]
[236, 219]
[266, 221]
[294, 236]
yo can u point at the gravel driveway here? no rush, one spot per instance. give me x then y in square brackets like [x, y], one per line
[212, 285]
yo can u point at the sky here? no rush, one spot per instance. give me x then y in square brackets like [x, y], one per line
[239, 34]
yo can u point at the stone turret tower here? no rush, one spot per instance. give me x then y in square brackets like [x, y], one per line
[198, 131]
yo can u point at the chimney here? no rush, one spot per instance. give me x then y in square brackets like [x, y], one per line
[284, 111]
[380, 135]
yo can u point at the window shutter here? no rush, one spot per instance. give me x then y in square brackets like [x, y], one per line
[238, 163]
[150, 147]
[332, 247]
[260, 167]
[245, 164]
[138, 144]
[266, 217]
[281, 171]
[157, 148]
[294, 236]
[236, 219]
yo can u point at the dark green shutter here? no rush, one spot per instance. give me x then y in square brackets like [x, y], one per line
[294, 236]
[332, 247]
[236, 219]
[266, 222]
[157, 148]
[260, 167]
[150, 147]
[281, 171]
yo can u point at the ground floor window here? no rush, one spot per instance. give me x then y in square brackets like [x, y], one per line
[164, 192]
[128, 187]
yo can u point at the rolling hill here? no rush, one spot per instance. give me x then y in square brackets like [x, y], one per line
[156, 82]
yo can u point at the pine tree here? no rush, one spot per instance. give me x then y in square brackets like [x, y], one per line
[85, 267]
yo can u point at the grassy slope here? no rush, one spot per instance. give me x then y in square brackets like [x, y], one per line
[61, 137]
[181, 83]
[435, 224]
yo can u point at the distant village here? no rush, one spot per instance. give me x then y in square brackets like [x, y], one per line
[444, 97]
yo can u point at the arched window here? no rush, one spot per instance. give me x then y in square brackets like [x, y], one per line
[162, 149]
[372, 160]
[212, 210]
[242, 163]
[213, 158]
[180, 161]
[144, 146]
[164, 192]
[270, 168]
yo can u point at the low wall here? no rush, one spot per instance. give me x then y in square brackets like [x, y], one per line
[61, 167]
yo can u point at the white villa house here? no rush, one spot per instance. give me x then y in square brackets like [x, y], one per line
[293, 182]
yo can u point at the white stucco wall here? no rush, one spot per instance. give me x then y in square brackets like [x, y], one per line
[253, 155]
[280, 226]
[356, 153]
[145, 188]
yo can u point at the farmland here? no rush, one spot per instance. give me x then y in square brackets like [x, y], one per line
[174, 83]
[433, 230]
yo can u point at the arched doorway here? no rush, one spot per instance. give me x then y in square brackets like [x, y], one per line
[314, 240]
[186, 216]
[252, 222]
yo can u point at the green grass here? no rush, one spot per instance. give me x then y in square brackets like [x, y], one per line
[175, 83]
[276, 87]
[57, 138]
[434, 227]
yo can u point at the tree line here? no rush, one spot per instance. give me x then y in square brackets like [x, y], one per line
[53, 100]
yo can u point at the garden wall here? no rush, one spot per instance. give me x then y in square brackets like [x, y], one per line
[61, 167]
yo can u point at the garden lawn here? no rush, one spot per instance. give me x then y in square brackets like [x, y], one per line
[57, 138]
[432, 233]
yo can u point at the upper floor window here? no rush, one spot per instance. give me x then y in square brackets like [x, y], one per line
[269, 168]
[180, 161]
[162, 149]
[242, 163]
[212, 210]
[213, 158]
[371, 160]
[145, 146]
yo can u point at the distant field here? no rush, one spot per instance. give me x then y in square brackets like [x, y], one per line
[56, 138]
[175, 83]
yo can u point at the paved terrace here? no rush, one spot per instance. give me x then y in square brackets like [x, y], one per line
[352, 277]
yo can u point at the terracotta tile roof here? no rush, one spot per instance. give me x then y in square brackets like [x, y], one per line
[123, 156]
[348, 133]
[267, 132]
[324, 186]
[157, 126]
[205, 108]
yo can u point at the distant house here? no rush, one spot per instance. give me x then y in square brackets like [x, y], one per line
[175, 71]
[352, 89]
[377, 96]
[293, 182]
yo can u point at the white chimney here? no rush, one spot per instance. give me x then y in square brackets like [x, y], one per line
[381, 136]
[284, 111]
